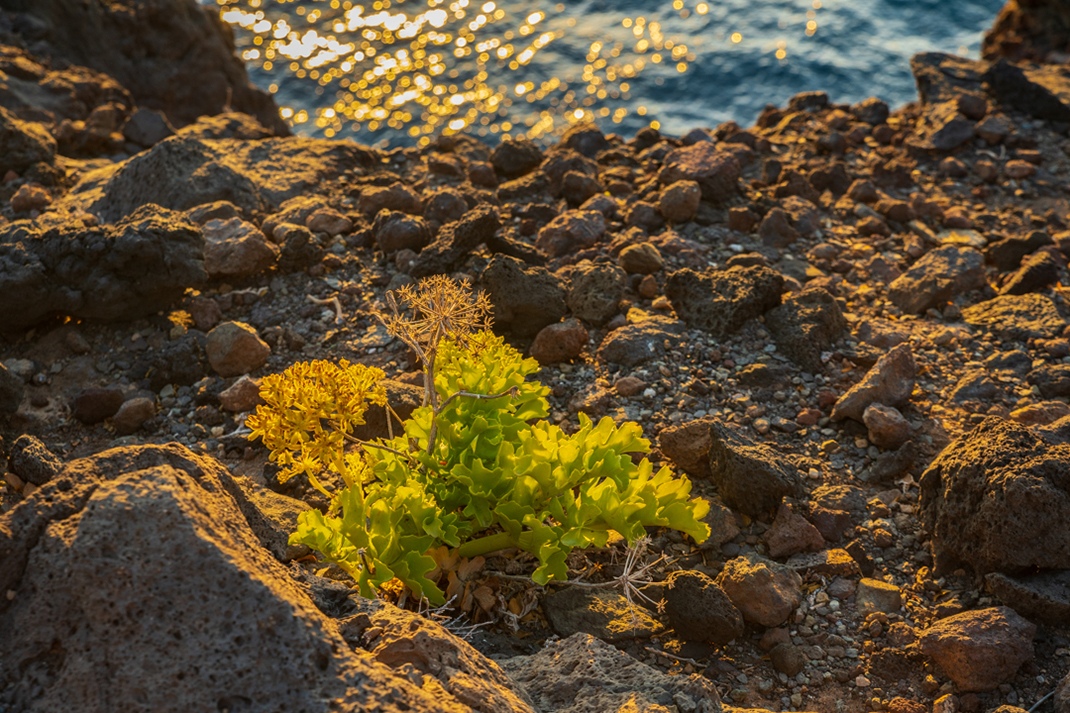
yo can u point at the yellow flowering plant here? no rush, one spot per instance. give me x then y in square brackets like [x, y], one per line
[477, 468]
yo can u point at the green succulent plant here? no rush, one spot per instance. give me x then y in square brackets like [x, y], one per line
[477, 467]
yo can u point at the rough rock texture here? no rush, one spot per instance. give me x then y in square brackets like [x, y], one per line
[688, 447]
[716, 171]
[806, 324]
[1042, 91]
[937, 277]
[234, 349]
[765, 592]
[134, 268]
[571, 231]
[998, 499]
[23, 143]
[1029, 29]
[979, 650]
[32, 461]
[699, 610]
[402, 639]
[720, 301]
[184, 172]
[1042, 597]
[1020, 317]
[595, 291]
[455, 241]
[750, 477]
[173, 55]
[581, 674]
[524, 299]
[889, 382]
[236, 248]
[634, 344]
[102, 562]
[604, 613]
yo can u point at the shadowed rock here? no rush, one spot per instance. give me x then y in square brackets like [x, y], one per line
[132, 269]
[140, 551]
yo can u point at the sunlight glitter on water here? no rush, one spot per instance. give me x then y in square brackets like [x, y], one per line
[445, 67]
[406, 70]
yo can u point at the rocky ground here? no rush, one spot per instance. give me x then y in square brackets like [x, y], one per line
[848, 325]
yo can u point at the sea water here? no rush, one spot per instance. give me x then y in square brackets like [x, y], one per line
[401, 71]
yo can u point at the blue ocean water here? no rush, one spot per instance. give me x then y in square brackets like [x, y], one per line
[400, 71]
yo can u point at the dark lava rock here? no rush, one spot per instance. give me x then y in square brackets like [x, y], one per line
[134, 268]
[1019, 317]
[891, 465]
[634, 344]
[720, 301]
[104, 559]
[998, 499]
[775, 230]
[146, 127]
[173, 55]
[716, 171]
[937, 277]
[943, 77]
[23, 143]
[1007, 254]
[1043, 91]
[890, 382]
[1038, 271]
[524, 299]
[586, 139]
[788, 659]
[750, 477]
[1043, 597]
[699, 610]
[595, 291]
[571, 231]
[1051, 380]
[395, 231]
[806, 324]
[456, 241]
[184, 172]
[11, 390]
[181, 362]
[605, 614]
[32, 461]
[514, 158]
[562, 161]
[96, 404]
[688, 447]
[298, 247]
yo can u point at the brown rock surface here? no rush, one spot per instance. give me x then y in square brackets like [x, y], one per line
[979, 650]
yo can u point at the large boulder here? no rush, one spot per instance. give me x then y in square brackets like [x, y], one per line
[135, 583]
[184, 172]
[172, 55]
[1029, 29]
[132, 269]
[998, 499]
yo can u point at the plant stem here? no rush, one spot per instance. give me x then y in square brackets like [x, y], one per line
[486, 545]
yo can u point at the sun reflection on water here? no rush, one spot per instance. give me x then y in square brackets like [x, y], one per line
[427, 67]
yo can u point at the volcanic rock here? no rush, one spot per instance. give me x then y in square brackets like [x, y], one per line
[135, 268]
[720, 301]
[996, 499]
[979, 650]
[699, 610]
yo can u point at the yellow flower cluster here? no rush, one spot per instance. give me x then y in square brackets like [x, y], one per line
[309, 411]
